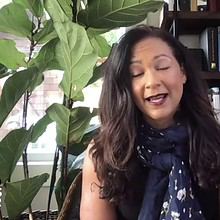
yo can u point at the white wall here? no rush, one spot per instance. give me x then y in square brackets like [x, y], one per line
[4, 2]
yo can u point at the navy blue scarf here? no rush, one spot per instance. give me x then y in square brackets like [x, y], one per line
[169, 188]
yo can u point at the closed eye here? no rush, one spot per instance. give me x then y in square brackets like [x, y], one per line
[163, 68]
[136, 74]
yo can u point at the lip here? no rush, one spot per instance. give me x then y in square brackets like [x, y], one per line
[158, 94]
[157, 100]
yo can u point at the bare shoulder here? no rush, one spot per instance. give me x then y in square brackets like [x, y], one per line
[92, 207]
[89, 174]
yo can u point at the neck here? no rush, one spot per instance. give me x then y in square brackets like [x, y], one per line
[162, 124]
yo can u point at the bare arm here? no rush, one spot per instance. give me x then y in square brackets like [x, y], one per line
[92, 207]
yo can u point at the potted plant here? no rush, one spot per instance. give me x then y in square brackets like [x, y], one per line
[71, 40]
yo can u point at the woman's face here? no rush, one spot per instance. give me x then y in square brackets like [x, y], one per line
[157, 81]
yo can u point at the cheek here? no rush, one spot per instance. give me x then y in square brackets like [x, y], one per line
[137, 94]
[178, 91]
[178, 80]
[136, 90]
[175, 85]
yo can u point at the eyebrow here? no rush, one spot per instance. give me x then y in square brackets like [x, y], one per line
[156, 57]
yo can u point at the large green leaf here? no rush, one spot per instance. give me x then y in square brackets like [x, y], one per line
[74, 51]
[3, 71]
[10, 56]
[35, 6]
[46, 34]
[71, 124]
[14, 20]
[46, 58]
[77, 71]
[101, 45]
[97, 74]
[78, 148]
[120, 13]
[79, 97]
[37, 81]
[66, 6]
[55, 11]
[97, 31]
[40, 127]
[11, 148]
[20, 194]
[13, 89]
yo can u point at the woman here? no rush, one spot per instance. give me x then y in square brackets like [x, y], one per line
[157, 155]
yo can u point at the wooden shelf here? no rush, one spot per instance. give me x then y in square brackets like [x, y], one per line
[210, 75]
[192, 22]
[212, 78]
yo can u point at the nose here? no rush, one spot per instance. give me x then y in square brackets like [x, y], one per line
[151, 80]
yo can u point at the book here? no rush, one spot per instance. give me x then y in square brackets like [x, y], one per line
[202, 5]
[198, 57]
[170, 5]
[193, 6]
[209, 44]
[184, 5]
[218, 45]
[214, 5]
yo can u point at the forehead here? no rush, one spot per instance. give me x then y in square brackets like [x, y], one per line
[151, 46]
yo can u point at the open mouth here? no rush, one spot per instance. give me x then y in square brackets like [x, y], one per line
[157, 99]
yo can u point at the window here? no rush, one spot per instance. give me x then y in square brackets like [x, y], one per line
[42, 97]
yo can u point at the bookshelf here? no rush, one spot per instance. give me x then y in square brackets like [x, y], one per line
[213, 78]
[192, 22]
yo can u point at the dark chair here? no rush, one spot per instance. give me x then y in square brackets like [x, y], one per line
[71, 206]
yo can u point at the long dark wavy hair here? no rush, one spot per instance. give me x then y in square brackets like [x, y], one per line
[113, 148]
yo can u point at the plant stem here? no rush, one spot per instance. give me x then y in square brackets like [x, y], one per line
[24, 125]
[67, 102]
[69, 105]
[1, 218]
[53, 180]
[74, 11]
[65, 168]
[24, 155]
[25, 107]
[62, 180]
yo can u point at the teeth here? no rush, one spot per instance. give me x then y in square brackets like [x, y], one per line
[156, 99]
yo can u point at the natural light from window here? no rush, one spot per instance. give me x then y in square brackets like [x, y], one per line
[43, 96]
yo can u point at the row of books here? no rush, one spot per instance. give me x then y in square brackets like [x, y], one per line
[213, 5]
[214, 97]
[194, 5]
[210, 44]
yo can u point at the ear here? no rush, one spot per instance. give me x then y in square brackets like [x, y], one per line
[184, 77]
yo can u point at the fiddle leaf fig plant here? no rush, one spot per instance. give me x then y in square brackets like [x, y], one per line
[69, 35]
[113, 14]
[19, 138]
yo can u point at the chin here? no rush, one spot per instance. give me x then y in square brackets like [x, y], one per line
[160, 122]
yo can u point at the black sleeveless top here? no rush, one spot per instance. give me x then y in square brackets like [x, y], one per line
[129, 207]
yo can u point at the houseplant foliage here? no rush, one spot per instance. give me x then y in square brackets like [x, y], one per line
[71, 41]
